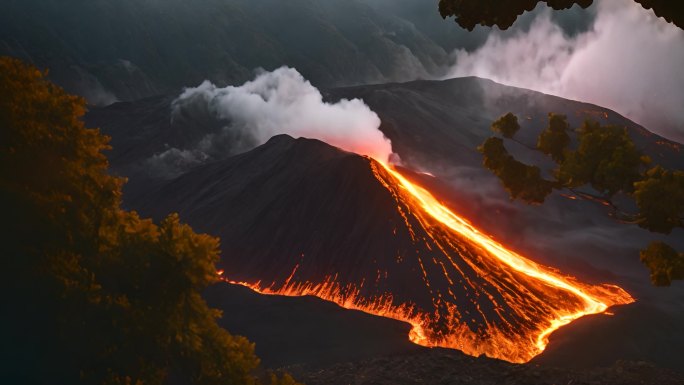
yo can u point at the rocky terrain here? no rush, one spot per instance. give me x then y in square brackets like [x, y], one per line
[440, 367]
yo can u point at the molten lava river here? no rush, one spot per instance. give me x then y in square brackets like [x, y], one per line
[482, 297]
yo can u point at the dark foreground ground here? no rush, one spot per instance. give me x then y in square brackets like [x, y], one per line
[438, 366]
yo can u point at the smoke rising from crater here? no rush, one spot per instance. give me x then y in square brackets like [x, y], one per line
[277, 102]
[630, 61]
[283, 102]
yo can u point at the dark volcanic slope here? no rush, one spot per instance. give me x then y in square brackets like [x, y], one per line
[297, 216]
[292, 201]
[306, 330]
[282, 202]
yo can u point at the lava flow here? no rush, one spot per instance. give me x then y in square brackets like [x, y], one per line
[482, 298]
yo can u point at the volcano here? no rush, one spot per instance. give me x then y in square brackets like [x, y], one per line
[300, 217]
[308, 219]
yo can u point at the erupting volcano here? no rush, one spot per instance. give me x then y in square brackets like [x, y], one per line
[300, 217]
[476, 295]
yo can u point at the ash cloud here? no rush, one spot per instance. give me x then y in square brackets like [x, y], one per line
[629, 61]
[277, 102]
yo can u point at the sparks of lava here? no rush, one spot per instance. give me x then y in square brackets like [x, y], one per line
[554, 300]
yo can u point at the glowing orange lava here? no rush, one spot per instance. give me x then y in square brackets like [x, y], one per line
[527, 301]
[594, 302]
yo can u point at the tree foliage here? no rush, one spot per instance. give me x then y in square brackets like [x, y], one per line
[665, 263]
[554, 140]
[507, 125]
[95, 294]
[520, 180]
[503, 13]
[660, 198]
[606, 160]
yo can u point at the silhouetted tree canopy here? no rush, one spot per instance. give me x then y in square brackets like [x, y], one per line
[605, 159]
[506, 125]
[664, 262]
[554, 140]
[94, 294]
[503, 13]
[660, 198]
[520, 180]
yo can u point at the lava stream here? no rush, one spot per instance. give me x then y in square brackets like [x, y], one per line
[594, 303]
[516, 303]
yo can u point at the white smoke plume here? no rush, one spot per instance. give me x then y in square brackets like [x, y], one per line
[631, 62]
[283, 102]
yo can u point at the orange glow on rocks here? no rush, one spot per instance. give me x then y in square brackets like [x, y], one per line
[513, 303]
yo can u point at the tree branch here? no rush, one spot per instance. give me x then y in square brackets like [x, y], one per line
[615, 211]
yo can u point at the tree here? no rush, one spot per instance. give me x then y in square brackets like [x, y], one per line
[520, 180]
[92, 293]
[554, 139]
[503, 13]
[664, 262]
[660, 199]
[606, 160]
[506, 125]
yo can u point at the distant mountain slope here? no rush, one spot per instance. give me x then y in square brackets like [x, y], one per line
[446, 120]
[129, 49]
[429, 121]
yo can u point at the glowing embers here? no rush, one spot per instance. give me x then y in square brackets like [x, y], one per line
[468, 292]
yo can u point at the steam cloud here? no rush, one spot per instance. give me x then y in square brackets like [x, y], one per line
[278, 102]
[631, 61]
[283, 102]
